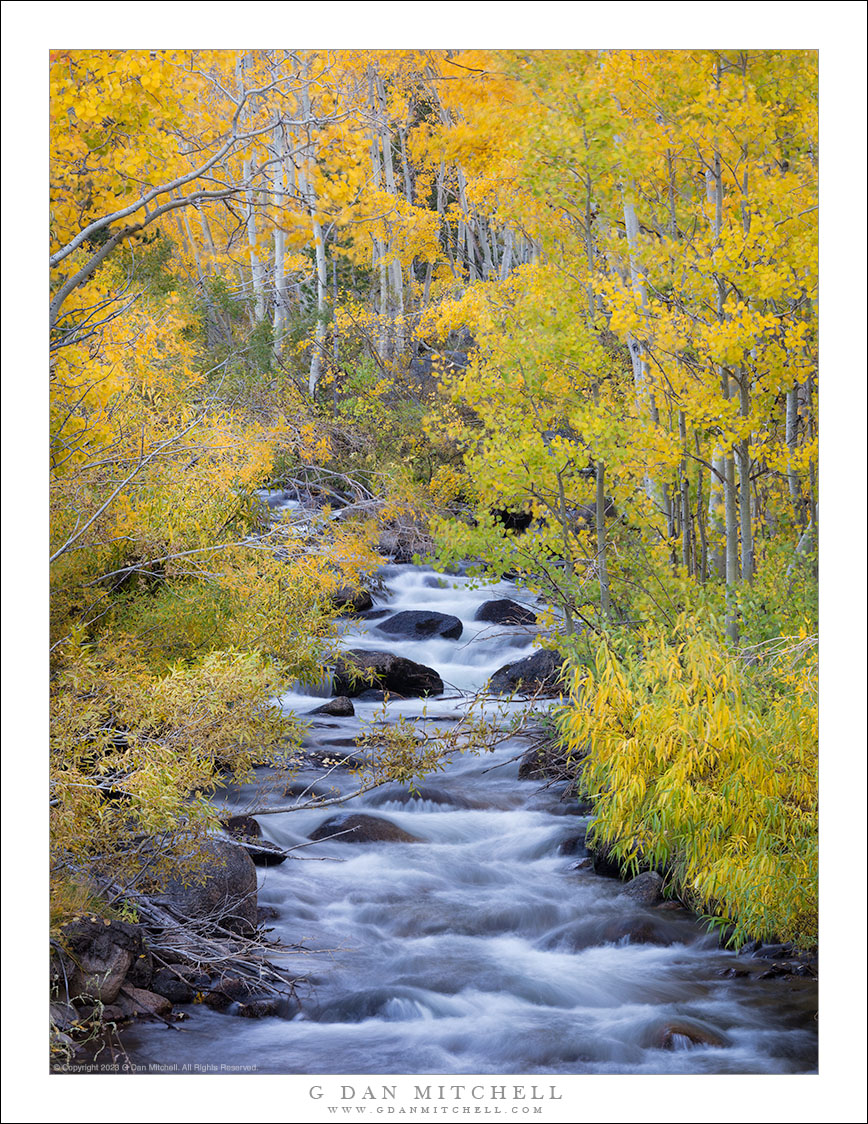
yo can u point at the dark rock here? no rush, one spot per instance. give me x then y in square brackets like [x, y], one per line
[434, 795]
[258, 1009]
[173, 987]
[638, 930]
[141, 971]
[267, 913]
[774, 951]
[97, 955]
[504, 611]
[243, 827]
[361, 828]
[307, 791]
[341, 707]
[573, 845]
[583, 864]
[222, 890]
[135, 1002]
[433, 582]
[646, 889]
[517, 521]
[604, 864]
[683, 1034]
[385, 671]
[265, 853]
[247, 830]
[226, 991]
[63, 1015]
[537, 672]
[348, 600]
[419, 624]
[376, 614]
[749, 948]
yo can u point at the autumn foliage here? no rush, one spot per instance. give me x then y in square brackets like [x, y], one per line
[450, 288]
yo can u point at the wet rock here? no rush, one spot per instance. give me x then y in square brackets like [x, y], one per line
[604, 863]
[172, 986]
[258, 1009]
[226, 991]
[574, 845]
[420, 624]
[684, 1034]
[304, 791]
[248, 831]
[646, 889]
[242, 827]
[537, 672]
[340, 707]
[430, 793]
[348, 600]
[97, 955]
[223, 889]
[637, 930]
[504, 611]
[136, 1001]
[360, 828]
[267, 913]
[384, 671]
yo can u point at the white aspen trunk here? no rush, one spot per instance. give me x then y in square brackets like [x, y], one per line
[792, 437]
[396, 311]
[277, 194]
[644, 397]
[256, 270]
[308, 188]
[716, 525]
[487, 259]
[506, 260]
[379, 246]
[408, 183]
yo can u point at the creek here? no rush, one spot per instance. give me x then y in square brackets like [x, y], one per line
[487, 946]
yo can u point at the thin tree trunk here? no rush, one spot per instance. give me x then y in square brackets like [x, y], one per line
[602, 568]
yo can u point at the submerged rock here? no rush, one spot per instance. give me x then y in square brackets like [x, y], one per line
[360, 828]
[340, 707]
[358, 669]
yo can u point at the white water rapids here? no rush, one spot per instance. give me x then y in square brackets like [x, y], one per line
[482, 949]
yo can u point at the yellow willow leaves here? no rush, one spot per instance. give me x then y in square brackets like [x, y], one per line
[706, 764]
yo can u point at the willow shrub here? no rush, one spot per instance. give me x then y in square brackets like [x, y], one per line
[703, 761]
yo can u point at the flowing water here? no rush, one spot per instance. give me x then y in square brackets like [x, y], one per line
[486, 947]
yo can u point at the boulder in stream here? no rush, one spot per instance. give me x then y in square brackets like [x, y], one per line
[421, 624]
[358, 669]
[504, 611]
[356, 827]
[646, 888]
[222, 890]
[340, 707]
[539, 672]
